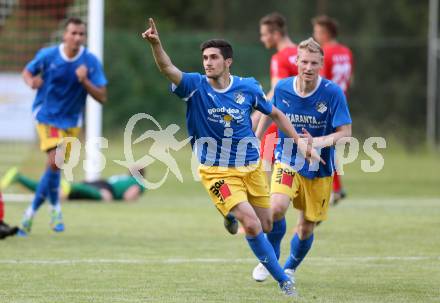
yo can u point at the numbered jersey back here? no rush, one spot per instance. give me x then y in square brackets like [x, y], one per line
[338, 65]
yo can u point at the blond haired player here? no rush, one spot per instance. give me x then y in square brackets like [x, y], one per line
[316, 107]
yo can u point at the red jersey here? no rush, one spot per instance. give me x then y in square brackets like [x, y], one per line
[283, 63]
[338, 64]
[2, 208]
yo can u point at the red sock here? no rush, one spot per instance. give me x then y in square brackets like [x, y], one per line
[337, 185]
[2, 208]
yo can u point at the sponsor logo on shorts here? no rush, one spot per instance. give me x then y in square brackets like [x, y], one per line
[225, 191]
[53, 132]
[284, 177]
[221, 190]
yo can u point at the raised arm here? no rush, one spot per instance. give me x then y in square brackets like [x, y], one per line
[163, 61]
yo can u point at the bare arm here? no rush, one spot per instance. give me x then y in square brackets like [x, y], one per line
[331, 139]
[163, 61]
[33, 82]
[304, 146]
[97, 92]
[255, 118]
[284, 124]
[262, 124]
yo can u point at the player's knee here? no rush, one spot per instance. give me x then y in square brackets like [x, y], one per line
[305, 230]
[278, 210]
[267, 225]
[252, 226]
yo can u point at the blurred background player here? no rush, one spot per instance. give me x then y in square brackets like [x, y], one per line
[5, 229]
[63, 76]
[115, 188]
[274, 35]
[338, 67]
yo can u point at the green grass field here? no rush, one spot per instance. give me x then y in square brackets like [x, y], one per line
[382, 244]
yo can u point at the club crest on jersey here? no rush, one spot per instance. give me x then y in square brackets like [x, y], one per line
[321, 107]
[239, 98]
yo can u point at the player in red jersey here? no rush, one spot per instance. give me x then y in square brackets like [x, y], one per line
[338, 67]
[273, 34]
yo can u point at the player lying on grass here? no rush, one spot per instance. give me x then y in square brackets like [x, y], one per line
[114, 188]
[219, 106]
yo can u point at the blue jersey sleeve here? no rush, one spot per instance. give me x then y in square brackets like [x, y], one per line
[96, 72]
[261, 103]
[189, 84]
[341, 114]
[36, 66]
[276, 95]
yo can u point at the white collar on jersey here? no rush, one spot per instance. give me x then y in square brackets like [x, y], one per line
[64, 56]
[309, 94]
[224, 90]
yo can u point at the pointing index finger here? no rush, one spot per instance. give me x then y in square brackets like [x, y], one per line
[152, 25]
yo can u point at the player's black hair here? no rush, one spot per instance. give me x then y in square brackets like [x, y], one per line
[73, 20]
[224, 46]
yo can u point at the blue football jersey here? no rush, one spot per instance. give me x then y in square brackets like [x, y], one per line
[320, 112]
[219, 120]
[61, 99]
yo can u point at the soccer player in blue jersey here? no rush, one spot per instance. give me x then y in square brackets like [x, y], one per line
[218, 114]
[316, 107]
[63, 75]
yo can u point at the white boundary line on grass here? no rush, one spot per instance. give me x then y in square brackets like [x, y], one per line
[211, 260]
[18, 198]
[354, 202]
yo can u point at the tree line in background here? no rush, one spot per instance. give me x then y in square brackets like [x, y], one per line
[388, 39]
